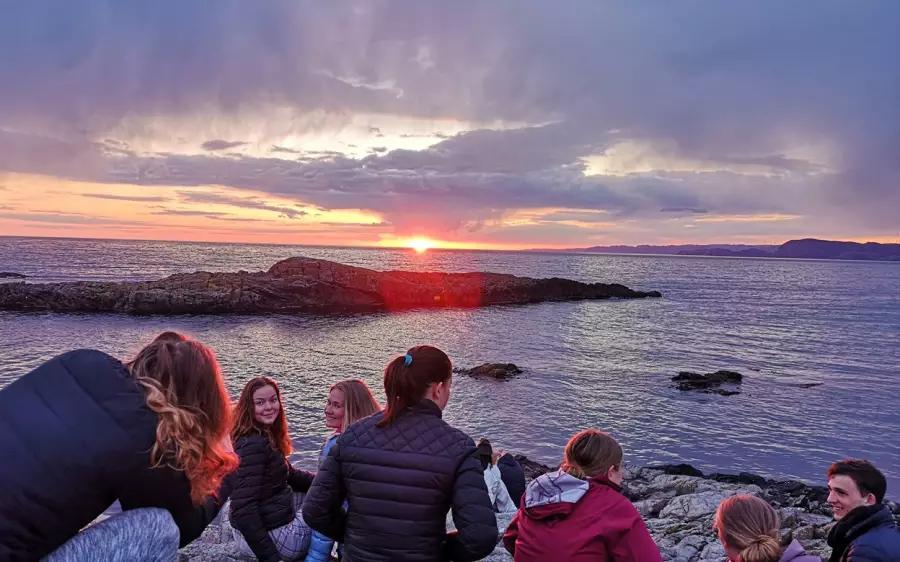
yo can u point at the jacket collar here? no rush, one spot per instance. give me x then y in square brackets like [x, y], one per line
[857, 523]
[426, 406]
[603, 480]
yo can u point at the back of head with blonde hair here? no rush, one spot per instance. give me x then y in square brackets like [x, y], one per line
[184, 388]
[359, 402]
[591, 453]
[749, 525]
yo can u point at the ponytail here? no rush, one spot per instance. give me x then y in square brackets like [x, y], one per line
[407, 378]
[591, 453]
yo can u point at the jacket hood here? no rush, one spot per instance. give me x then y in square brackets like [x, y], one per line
[554, 495]
[795, 553]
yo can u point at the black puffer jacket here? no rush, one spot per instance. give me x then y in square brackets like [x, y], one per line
[262, 499]
[400, 482]
[76, 435]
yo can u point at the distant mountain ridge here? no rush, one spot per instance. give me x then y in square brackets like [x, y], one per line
[808, 248]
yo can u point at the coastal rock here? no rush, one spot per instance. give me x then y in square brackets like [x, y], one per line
[12, 275]
[302, 285]
[710, 383]
[499, 371]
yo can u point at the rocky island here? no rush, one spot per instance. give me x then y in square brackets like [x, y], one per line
[302, 285]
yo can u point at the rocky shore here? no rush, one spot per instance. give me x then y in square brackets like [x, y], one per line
[302, 285]
[678, 504]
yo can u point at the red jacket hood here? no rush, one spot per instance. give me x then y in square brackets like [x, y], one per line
[555, 494]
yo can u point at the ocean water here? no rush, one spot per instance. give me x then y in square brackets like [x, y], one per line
[783, 323]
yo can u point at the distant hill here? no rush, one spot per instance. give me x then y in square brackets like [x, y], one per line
[673, 250]
[808, 248]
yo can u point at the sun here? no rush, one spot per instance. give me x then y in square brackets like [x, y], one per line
[420, 244]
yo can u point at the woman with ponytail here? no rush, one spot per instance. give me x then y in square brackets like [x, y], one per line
[83, 430]
[578, 513]
[268, 491]
[748, 530]
[401, 471]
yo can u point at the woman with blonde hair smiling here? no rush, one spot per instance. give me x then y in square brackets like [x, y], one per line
[348, 402]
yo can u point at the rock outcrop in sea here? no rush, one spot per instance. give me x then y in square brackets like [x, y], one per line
[499, 371]
[302, 285]
[710, 383]
[678, 503]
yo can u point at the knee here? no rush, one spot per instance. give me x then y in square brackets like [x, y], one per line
[160, 524]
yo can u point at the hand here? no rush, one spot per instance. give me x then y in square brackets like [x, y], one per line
[496, 456]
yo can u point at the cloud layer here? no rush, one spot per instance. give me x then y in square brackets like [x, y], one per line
[652, 112]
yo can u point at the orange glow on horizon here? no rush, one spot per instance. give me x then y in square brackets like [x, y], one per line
[420, 245]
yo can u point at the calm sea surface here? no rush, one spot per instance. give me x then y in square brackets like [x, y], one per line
[783, 323]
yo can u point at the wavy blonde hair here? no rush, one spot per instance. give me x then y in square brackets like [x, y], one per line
[749, 525]
[359, 402]
[591, 453]
[184, 387]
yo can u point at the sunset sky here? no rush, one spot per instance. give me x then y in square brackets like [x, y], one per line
[483, 123]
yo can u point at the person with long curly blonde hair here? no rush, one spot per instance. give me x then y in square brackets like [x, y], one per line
[84, 430]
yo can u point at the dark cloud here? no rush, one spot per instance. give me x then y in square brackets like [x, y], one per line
[749, 85]
[137, 198]
[219, 144]
[189, 213]
[243, 202]
[66, 218]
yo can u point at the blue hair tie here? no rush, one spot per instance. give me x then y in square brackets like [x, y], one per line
[407, 360]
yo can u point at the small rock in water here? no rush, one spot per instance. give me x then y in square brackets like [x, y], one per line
[499, 371]
[710, 383]
[11, 275]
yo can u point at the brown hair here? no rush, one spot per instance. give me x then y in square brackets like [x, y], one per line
[407, 378]
[358, 401]
[591, 453]
[867, 478]
[750, 525]
[184, 386]
[245, 423]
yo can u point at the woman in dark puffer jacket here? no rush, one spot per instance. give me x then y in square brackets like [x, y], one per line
[268, 492]
[401, 471]
[83, 430]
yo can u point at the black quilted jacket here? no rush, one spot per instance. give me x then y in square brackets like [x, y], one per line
[400, 482]
[262, 499]
[76, 435]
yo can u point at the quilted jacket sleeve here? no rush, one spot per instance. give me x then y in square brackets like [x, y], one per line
[322, 505]
[245, 515]
[472, 512]
[300, 480]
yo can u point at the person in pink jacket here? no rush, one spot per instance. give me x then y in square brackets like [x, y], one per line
[578, 514]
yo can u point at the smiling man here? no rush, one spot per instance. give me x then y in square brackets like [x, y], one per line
[865, 530]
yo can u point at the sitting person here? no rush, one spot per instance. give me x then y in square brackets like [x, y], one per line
[748, 529]
[865, 530]
[513, 477]
[497, 491]
[401, 470]
[84, 430]
[578, 513]
[268, 491]
[348, 402]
